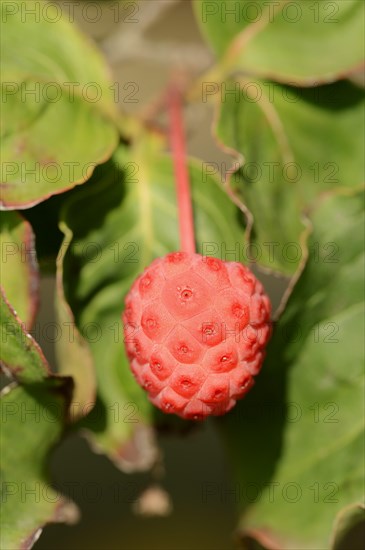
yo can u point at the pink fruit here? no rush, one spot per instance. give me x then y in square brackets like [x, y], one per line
[195, 331]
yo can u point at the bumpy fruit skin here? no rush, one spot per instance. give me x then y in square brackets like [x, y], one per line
[195, 331]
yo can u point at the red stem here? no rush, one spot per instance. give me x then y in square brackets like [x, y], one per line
[186, 223]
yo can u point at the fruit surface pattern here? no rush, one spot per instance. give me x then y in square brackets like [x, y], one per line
[195, 332]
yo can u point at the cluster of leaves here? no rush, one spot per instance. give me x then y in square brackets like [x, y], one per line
[294, 122]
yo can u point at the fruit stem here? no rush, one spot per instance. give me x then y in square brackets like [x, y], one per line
[177, 140]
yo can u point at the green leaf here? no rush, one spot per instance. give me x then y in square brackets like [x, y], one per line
[73, 353]
[292, 42]
[20, 353]
[58, 111]
[296, 144]
[121, 220]
[32, 418]
[19, 270]
[296, 441]
[221, 21]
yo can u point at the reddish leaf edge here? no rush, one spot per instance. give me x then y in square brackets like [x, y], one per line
[65, 383]
[66, 511]
[22, 205]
